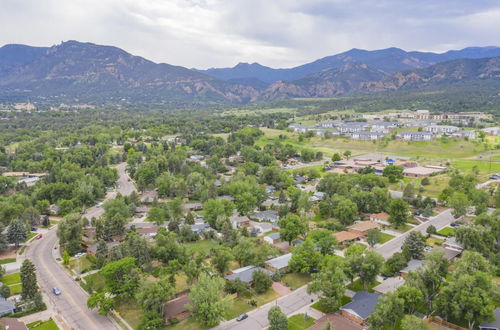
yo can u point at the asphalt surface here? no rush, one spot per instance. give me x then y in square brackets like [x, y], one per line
[257, 319]
[124, 186]
[441, 220]
[72, 303]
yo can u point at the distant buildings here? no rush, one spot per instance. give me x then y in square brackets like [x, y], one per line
[415, 136]
[441, 129]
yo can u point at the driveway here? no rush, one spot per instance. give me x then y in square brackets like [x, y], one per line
[440, 221]
[257, 319]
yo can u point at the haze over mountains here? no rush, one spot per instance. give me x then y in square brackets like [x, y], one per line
[85, 72]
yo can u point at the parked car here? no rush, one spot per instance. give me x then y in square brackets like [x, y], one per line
[428, 248]
[241, 317]
[56, 291]
[39, 236]
[34, 229]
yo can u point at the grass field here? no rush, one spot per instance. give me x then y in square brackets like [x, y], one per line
[431, 241]
[200, 246]
[317, 305]
[300, 322]
[11, 279]
[358, 286]
[241, 304]
[95, 281]
[447, 231]
[43, 325]
[384, 237]
[129, 310]
[7, 261]
[187, 324]
[295, 280]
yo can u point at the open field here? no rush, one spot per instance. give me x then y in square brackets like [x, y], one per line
[295, 280]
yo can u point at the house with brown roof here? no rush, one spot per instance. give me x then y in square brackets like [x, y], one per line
[381, 217]
[176, 309]
[362, 227]
[347, 236]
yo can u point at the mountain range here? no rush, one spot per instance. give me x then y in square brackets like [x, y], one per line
[84, 72]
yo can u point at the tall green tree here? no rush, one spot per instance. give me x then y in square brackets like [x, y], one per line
[208, 304]
[370, 267]
[373, 237]
[346, 211]
[415, 244]
[277, 319]
[412, 322]
[221, 257]
[460, 203]
[152, 296]
[398, 212]
[389, 310]
[122, 276]
[69, 232]
[16, 233]
[261, 281]
[329, 283]
[292, 226]
[28, 280]
[102, 301]
[305, 258]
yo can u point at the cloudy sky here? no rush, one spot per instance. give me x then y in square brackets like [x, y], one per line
[277, 33]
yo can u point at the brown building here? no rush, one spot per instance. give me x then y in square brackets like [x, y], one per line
[176, 309]
[347, 236]
[362, 227]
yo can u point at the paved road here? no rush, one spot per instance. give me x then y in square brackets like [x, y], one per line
[124, 186]
[257, 319]
[72, 303]
[441, 220]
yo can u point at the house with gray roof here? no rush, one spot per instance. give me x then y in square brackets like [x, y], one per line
[361, 307]
[6, 307]
[245, 274]
[415, 136]
[265, 216]
[201, 228]
[272, 238]
[412, 266]
[279, 263]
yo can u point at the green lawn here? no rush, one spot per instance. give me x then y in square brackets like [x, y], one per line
[299, 322]
[358, 286]
[295, 280]
[95, 281]
[446, 231]
[431, 241]
[80, 264]
[10, 279]
[43, 325]
[240, 304]
[7, 261]
[129, 310]
[402, 229]
[187, 324]
[16, 288]
[200, 246]
[181, 282]
[317, 305]
[384, 237]
[31, 234]
[484, 167]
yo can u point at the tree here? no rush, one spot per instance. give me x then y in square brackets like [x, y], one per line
[324, 240]
[347, 154]
[245, 202]
[152, 296]
[28, 280]
[192, 271]
[121, 276]
[69, 232]
[411, 296]
[398, 212]
[277, 319]
[460, 203]
[353, 258]
[478, 238]
[336, 157]
[370, 267]
[4, 291]
[207, 301]
[261, 281]
[412, 322]
[431, 230]
[429, 278]
[244, 252]
[346, 211]
[151, 320]
[373, 237]
[4, 243]
[394, 264]
[305, 258]
[409, 192]
[215, 208]
[389, 309]
[415, 244]
[16, 232]
[102, 301]
[221, 257]
[393, 173]
[329, 283]
[291, 227]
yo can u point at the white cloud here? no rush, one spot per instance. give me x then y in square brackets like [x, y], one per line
[279, 33]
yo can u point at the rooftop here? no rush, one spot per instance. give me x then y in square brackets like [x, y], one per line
[343, 236]
[246, 274]
[363, 304]
[364, 225]
[280, 262]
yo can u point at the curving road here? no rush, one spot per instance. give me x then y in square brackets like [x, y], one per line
[71, 305]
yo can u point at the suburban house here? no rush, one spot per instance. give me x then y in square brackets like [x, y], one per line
[420, 123]
[193, 206]
[238, 221]
[92, 249]
[361, 307]
[6, 306]
[449, 254]
[201, 228]
[382, 217]
[493, 325]
[175, 309]
[298, 128]
[384, 126]
[352, 127]
[470, 134]
[245, 274]
[327, 124]
[415, 136]
[317, 196]
[413, 265]
[265, 216]
[148, 232]
[347, 236]
[423, 171]
[441, 129]
[10, 323]
[491, 131]
[367, 136]
[261, 227]
[390, 284]
[279, 263]
[451, 243]
[362, 227]
[273, 238]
